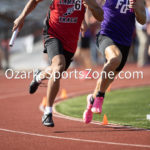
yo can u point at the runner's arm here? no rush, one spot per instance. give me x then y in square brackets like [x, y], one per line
[96, 10]
[18, 23]
[139, 9]
[83, 28]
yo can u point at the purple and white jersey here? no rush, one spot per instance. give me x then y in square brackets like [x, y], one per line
[119, 21]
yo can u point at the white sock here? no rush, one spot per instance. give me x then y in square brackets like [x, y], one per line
[38, 79]
[48, 110]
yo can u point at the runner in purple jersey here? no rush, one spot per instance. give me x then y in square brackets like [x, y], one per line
[114, 40]
[119, 22]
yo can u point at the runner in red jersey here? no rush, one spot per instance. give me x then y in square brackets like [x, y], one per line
[65, 22]
[61, 32]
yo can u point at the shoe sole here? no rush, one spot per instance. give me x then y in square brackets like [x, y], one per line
[84, 114]
[48, 125]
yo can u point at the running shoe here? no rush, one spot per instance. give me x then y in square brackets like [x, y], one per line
[47, 120]
[97, 105]
[34, 84]
[88, 115]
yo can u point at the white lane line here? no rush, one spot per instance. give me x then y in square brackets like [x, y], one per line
[74, 139]
[59, 115]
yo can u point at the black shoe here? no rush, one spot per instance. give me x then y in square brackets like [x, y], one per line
[47, 120]
[34, 84]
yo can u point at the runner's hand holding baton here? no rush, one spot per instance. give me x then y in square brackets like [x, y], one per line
[13, 37]
[18, 24]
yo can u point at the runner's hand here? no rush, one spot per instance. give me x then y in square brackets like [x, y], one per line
[132, 4]
[83, 28]
[18, 23]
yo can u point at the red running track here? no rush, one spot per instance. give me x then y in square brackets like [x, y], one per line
[21, 128]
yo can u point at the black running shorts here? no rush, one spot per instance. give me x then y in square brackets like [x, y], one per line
[104, 41]
[53, 47]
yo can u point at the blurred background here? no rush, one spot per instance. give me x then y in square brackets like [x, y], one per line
[27, 52]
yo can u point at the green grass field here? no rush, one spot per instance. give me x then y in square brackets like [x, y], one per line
[126, 107]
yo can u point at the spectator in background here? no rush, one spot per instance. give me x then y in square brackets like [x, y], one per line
[86, 43]
[4, 46]
[148, 25]
[143, 35]
[1, 56]
[83, 49]
[149, 51]
[94, 27]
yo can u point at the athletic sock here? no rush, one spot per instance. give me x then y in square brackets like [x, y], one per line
[100, 94]
[48, 110]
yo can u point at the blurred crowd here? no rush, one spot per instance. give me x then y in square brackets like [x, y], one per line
[87, 54]
[143, 37]
[4, 52]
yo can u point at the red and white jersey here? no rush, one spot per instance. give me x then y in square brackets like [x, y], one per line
[65, 20]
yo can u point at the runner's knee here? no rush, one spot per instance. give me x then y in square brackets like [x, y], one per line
[58, 63]
[115, 62]
[59, 67]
